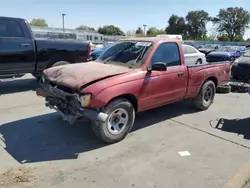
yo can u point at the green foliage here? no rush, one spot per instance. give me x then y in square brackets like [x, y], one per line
[233, 21]
[196, 24]
[39, 22]
[110, 30]
[139, 31]
[223, 37]
[84, 27]
[153, 31]
[176, 25]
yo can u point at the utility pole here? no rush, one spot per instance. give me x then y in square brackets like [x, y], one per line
[63, 15]
[144, 29]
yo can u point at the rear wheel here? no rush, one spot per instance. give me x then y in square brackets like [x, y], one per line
[206, 96]
[198, 62]
[121, 117]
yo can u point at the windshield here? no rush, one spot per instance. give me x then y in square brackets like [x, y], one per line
[125, 53]
[226, 49]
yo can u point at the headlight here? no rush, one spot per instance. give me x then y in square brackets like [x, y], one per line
[85, 99]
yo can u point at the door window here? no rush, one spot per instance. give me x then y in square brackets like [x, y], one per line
[190, 50]
[167, 53]
[9, 28]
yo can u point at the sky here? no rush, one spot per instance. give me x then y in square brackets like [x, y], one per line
[126, 14]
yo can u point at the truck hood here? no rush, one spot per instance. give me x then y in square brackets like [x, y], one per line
[77, 75]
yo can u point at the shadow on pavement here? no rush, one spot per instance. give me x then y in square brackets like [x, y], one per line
[47, 137]
[16, 86]
[238, 126]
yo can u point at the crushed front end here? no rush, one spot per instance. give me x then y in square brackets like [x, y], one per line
[69, 103]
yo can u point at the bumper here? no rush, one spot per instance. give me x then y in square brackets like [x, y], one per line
[56, 98]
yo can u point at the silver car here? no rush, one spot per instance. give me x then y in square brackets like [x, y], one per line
[193, 56]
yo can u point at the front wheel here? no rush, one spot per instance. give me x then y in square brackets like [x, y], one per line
[121, 117]
[206, 96]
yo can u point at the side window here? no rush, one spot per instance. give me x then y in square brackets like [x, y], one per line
[167, 53]
[9, 28]
[184, 49]
[190, 50]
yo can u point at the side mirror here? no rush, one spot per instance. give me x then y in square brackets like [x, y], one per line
[159, 66]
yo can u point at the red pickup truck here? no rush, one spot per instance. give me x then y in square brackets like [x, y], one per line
[131, 76]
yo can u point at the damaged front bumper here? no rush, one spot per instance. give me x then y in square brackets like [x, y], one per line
[67, 104]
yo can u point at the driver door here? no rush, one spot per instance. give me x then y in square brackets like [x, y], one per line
[163, 87]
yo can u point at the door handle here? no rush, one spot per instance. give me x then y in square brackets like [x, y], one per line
[180, 74]
[24, 44]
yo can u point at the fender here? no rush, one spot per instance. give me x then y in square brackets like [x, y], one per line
[106, 95]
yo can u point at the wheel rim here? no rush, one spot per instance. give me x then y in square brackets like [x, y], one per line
[117, 121]
[208, 95]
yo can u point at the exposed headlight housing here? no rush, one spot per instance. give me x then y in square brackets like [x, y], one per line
[85, 99]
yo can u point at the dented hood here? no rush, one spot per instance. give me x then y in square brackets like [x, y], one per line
[77, 75]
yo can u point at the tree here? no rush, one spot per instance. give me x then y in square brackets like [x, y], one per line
[110, 30]
[130, 33]
[223, 37]
[139, 31]
[176, 25]
[153, 31]
[233, 21]
[39, 22]
[196, 24]
[84, 27]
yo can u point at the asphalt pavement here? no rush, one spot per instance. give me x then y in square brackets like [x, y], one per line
[38, 149]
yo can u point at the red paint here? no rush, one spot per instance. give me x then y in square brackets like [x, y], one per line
[151, 89]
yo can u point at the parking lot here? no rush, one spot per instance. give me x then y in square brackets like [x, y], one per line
[39, 149]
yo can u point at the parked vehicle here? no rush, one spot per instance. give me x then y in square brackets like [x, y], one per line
[226, 53]
[193, 56]
[191, 43]
[134, 75]
[20, 53]
[96, 53]
[241, 67]
[207, 48]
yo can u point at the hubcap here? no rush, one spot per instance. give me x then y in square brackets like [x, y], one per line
[117, 121]
[208, 94]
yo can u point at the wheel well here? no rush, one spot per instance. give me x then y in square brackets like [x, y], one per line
[131, 98]
[214, 79]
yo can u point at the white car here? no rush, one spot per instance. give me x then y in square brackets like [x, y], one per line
[193, 56]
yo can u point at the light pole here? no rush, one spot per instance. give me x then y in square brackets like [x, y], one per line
[144, 29]
[63, 21]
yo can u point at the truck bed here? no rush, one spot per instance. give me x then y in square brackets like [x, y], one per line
[197, 73]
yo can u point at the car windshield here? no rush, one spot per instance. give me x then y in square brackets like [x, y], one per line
[125, 53]
[226, 49]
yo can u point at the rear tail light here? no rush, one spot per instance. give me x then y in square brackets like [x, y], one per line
[89, 49]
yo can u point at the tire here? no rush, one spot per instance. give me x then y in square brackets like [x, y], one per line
[223, 89]
[108, 133]
[198, 62]
[59, 63]
[206, 96]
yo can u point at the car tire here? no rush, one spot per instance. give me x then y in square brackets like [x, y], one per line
[59, 63]
[198, 62]
[206, 96]
[223, 89]
[120, 120]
